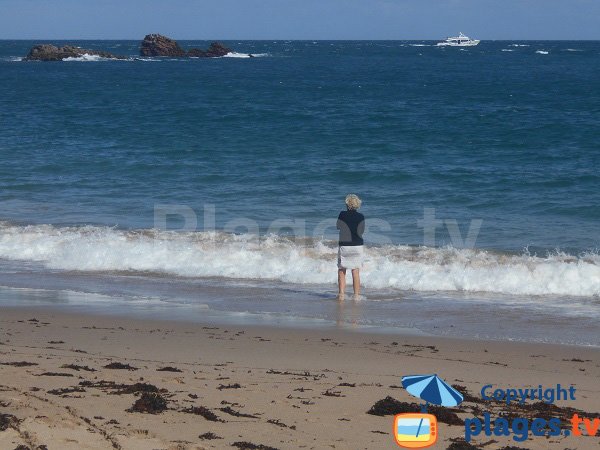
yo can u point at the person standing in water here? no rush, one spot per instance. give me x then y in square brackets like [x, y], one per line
[351, 225]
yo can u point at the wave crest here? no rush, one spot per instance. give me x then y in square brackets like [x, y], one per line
[304, 261]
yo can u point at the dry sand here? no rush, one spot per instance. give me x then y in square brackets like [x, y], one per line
[274, 388]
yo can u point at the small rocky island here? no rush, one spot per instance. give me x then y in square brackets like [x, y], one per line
[159, 45]
[47, 52]
[152, 45]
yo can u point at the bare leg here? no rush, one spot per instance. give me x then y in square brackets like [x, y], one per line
[341, 282]
[356, 281]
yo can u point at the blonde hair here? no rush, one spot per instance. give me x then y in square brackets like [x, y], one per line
[353, 202]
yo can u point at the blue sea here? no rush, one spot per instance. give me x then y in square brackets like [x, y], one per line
[207, 189]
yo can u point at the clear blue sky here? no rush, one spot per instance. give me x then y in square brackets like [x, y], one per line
[299, 19]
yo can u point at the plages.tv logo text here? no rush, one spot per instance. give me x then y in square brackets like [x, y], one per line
[520, 428]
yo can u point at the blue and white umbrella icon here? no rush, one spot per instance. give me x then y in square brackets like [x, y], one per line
[432, 389]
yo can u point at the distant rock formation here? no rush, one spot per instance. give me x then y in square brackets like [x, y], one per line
[152, 45]
[215, 50]
[158, 45]
[47, 52]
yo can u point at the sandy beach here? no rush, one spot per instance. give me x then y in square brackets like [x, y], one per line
[97, 382]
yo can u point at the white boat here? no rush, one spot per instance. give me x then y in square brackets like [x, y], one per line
[459, 41]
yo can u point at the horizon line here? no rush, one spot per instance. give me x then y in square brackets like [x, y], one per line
[284, 39]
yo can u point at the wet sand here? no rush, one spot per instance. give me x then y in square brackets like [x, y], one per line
[96, 382]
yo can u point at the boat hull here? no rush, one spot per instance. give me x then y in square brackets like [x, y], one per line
[463, 44]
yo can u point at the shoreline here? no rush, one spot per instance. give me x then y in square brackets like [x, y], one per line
[281, 388]
[284, 325]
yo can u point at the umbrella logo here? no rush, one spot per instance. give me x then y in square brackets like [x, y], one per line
[419, 430]
[432, 389]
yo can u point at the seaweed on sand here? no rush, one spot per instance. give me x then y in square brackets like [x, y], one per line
[169, 369]
[390, 406]
[19, 364]
[137, 388]
[55, 374]
[232, 412]
[461, 445]
[149, 403]
[120, 366]
[229, 386]
[209, 436]
[120, 389]
[204, 412]
[66, 391]
[77, 368]
[251, 446]
[8, 420]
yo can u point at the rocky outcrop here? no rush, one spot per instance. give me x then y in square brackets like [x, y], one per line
[215, 50]
[152, 45]
[158, 45]
[47, 52]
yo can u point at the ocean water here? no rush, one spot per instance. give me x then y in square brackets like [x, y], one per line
[208, 188]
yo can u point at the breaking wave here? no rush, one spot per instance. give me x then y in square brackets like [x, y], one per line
[90, 58]
[245, 55]
[217, 254]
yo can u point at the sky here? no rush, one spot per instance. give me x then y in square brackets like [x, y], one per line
[299, 19]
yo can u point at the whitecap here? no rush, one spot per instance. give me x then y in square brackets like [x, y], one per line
[245, 55]
[89, 58]
[542, 52]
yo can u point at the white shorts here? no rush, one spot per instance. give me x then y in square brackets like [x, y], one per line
[350, 256]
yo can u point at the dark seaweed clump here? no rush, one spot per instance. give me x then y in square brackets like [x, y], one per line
[77, 368]
[120, 366]
[232, 412]
[169, 369]
[136, 388]
[8, 420]
[55, 374]
[251, 446]
[204, 412]
[461, 445]
[149, 403]
[120, 389]
[390, 406]
[19, 364]
[209, 436]
[229, 386]
[65, 391]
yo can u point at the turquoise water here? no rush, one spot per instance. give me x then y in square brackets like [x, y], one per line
[505, 133]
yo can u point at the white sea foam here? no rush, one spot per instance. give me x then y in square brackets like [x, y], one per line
[507, 50]
[542, 52]
[215, 254]
[572, 50]
[420, 45]
[519, 45]
[244, 55]
[89, 58]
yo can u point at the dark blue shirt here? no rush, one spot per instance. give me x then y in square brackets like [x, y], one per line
[352, 226]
